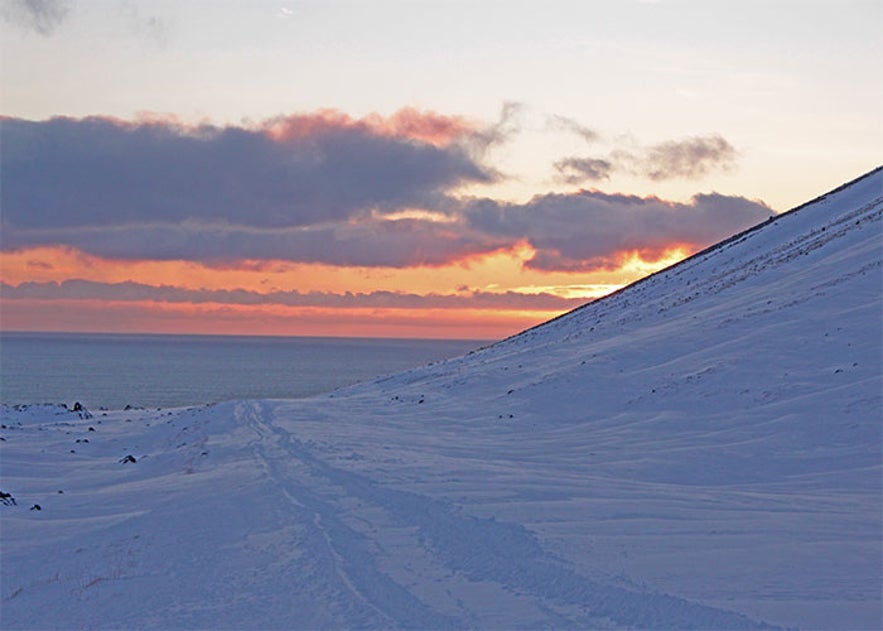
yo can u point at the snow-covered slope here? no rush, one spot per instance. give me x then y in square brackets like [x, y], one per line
[699, 450]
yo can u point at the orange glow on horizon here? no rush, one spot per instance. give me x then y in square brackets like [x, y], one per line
[644, 262]
[495, 273]
[218, 319]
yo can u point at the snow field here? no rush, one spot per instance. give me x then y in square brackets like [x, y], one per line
[699, 450]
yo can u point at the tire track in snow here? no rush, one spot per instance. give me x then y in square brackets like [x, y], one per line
[482, 550]
[375, 600]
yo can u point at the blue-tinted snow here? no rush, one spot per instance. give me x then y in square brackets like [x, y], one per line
[700, 450]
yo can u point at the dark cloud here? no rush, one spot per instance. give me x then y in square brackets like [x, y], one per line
[45, 16]
[373, 242]
[326, 188]
[589, 229]
[100, 172]
[690, 158]
[78, 289]
[577, 231]
[563, 123]
[579, 170]
[506, 127]
[42, 16]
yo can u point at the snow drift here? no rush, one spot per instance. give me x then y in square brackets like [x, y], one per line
[699, 450]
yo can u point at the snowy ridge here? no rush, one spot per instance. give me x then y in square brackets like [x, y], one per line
[813, 217]
[699, 450]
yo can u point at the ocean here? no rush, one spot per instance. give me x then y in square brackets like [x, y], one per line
[115, 370]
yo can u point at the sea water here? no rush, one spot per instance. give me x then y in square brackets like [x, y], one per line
[113, 370]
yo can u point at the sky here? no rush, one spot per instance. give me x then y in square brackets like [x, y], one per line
[404, 168]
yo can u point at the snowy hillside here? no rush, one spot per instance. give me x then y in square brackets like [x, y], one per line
[699, 450]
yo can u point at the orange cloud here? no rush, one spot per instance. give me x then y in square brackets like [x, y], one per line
[431, 127]
[426, 126]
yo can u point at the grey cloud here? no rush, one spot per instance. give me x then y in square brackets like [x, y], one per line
[564, 123]
[70, 173]
[78, 289]
[371, 242]
[587, 230]
[690, 158]
[579, 231]
[578, 170]
[42, 16]
[503, 130]
[321, 191]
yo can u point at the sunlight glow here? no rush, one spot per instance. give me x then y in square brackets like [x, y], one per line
[496, 273]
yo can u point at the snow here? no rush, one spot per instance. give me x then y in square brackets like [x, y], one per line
[699, 450]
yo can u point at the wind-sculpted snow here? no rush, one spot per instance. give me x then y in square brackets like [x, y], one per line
[483, 550]
[699, 450]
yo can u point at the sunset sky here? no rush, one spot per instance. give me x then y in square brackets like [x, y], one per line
[404, 168]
